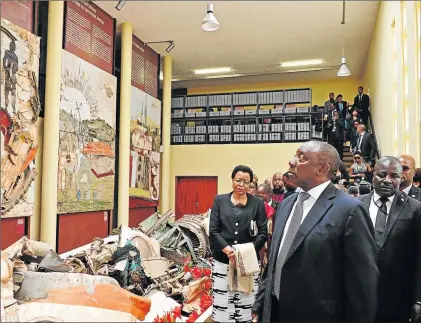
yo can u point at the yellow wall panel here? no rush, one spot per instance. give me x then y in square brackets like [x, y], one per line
[220, 160]
[391, 75]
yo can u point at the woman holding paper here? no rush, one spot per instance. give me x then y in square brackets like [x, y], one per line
[238, 230]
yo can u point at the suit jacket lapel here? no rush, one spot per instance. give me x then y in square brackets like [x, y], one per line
[413, 192]
[316, 213]
[397, 206]
[281, 219]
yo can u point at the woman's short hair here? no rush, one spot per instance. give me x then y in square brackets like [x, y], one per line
[356, 153]
[244, 169]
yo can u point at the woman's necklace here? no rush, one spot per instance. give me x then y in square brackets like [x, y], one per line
[358, 167]
[237, 202]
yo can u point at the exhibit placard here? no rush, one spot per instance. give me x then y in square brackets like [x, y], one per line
[20, 13]
[145, 64]
[89, 34]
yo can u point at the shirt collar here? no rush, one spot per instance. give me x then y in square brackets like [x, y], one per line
[270, 202]
[315, 192]
[377, 197]
[406, 190]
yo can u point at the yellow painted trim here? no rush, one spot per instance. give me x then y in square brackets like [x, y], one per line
[48, 232]
[165, 181]
[124, 139]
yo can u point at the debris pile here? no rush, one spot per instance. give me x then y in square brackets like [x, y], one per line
[116, 279]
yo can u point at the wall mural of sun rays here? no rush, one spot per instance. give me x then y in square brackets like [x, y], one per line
[87, 137]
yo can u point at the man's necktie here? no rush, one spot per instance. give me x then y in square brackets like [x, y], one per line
[359, 143]
[294, 225]
[381, 220]
[360, 98]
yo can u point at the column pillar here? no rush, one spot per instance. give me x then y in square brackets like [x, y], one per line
[48, 232]
[165, 180]
[35, 222]
[124, 134]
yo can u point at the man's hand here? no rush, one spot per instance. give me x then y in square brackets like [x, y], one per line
[416, 313]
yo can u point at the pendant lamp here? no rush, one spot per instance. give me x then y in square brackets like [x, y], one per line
[210, 23]
[343, 69]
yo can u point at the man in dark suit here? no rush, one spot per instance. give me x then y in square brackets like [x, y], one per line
[322, 263]
[362, 104]
[366, 144]
[408, 171]
[336, 128]
[341, 106]
[397, 222]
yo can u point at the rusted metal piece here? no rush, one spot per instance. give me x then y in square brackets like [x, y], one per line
[192, 227]
[52, 262]
[36, 285]
[28, 247]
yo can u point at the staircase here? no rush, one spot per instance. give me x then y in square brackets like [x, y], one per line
[348, 158]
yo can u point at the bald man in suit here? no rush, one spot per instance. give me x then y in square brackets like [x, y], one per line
[408, 171]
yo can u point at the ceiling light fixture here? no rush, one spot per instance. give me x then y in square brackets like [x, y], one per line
[170, 47]
[210, 23]
[343, 69]
[307, 62]
[213, 70]
[120, 4]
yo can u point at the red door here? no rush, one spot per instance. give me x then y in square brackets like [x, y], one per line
[195, 195]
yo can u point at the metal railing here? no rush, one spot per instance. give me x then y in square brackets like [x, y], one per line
[247, 127]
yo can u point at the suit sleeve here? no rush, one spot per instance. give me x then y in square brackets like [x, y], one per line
[373, 146]
[360, 266]
[355, 102]
[418, 282]
[262, 226]
[217, 242]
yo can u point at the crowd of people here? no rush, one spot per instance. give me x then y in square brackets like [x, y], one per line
[328, 253]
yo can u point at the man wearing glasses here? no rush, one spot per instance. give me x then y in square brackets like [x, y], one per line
[408, 171]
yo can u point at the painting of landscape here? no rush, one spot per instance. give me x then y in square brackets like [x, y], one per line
[145, 142]
[86, 165]
[20, 108]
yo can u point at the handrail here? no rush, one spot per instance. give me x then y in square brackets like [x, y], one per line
[370, 120]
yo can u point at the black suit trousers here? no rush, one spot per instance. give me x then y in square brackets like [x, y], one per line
[339, 145]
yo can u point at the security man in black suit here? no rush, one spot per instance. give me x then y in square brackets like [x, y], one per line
[366, 144]
[322, 263]
[408, 167]
[397, 222]
[362, 104]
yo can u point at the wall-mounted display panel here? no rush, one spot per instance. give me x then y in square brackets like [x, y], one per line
[19, 112]
[87, 137]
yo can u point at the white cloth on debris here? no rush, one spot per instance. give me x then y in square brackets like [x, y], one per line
[240, 274]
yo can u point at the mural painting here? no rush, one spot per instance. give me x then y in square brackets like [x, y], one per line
[87, 137]
[145, 142]
[19, 112]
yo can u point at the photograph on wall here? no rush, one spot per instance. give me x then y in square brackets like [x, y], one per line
[145, 142]
[86, 164]
[20, 108]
